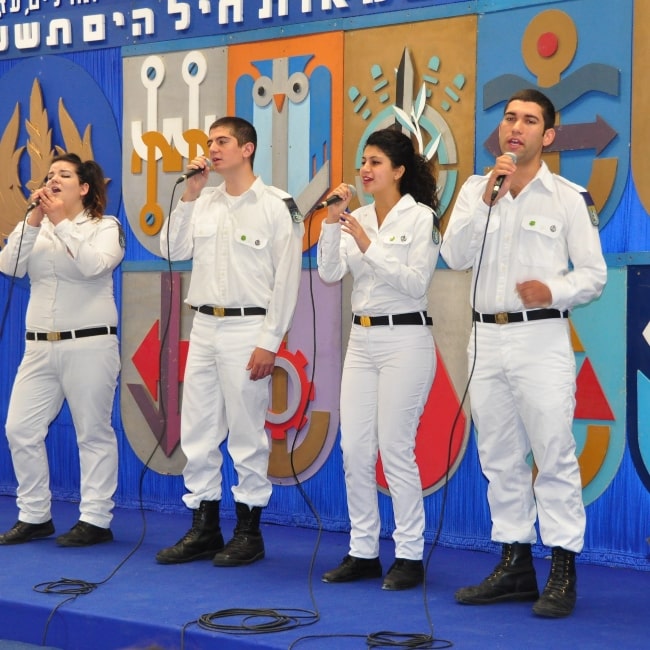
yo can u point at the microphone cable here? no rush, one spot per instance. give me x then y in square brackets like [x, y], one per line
[252, 621]
[12, 278]
[74, 587]
[392, 639]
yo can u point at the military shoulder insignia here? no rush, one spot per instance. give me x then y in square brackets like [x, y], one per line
[294, 210]
[591, 208]
[122, 234]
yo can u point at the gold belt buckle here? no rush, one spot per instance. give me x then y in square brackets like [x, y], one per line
[501, 318]
[53, 336]
[364, 321]
[218, 311]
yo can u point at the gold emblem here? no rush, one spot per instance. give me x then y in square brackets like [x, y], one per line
[40, 150]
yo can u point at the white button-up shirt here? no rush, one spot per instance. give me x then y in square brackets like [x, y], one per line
[393, 275]
[246, 251]
[70, 269]
[545, 233]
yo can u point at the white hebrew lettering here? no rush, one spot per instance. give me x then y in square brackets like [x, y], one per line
[62, 27]
[181, 8]
[147, 17]
[94, 28]
[4, 38]
[237, 7]
[266, 10]
[27, 35]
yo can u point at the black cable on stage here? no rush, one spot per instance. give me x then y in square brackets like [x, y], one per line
[74, 587]
[277, 619]
[389, 639]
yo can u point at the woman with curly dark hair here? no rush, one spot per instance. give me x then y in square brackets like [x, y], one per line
[69, 250]
[390, 247]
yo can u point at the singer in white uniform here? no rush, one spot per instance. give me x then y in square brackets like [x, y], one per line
[391, 248]
[246, 256]
[531, 238]
[69, 250]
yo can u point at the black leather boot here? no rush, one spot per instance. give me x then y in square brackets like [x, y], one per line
[512, 579]
[201, 541]
[354, 568]
[247, 545]
[559, 596]
[404, 574]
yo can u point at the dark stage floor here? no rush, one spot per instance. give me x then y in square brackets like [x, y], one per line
[140, 604]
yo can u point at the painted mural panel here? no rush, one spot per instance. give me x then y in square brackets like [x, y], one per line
[170, 99]
[421, 78]
[41, 117]
[560, 51]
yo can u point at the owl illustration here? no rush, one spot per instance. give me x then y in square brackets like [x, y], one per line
[291, 112]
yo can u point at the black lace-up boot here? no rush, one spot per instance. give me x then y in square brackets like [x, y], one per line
[559, 596]
[201, 541]
[354, 568]
[404, 574]
[247, 545]
[512, 579]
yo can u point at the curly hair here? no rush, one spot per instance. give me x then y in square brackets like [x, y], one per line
[91, 173]
[418, 179]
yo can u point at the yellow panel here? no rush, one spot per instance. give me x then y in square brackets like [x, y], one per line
[453, 42]
[593, 454]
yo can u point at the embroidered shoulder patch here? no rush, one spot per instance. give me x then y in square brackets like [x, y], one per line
[294, 210]
[591, 208]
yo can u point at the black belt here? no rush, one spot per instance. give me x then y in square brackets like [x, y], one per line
[229, 311]
[414, 318]
[504, 317]
[71, 334]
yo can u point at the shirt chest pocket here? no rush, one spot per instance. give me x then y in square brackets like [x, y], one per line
[250, 240]
[540, 240]
[204, 235]
[397, 244]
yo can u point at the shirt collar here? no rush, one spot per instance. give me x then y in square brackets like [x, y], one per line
[256, 188]
[544, 176]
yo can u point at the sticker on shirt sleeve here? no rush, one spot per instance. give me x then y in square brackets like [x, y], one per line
[591, 208]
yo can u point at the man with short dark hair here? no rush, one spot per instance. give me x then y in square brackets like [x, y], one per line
[531, 238]
[246, 253]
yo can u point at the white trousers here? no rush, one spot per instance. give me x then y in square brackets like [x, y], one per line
[83, 372]
[221, 401]
[387, 376]
[523, 400]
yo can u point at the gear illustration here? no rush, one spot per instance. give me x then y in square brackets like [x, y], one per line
[300, 391]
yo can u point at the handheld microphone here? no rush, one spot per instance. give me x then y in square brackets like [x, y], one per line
[33, 204]
[499, 181]
[192, 172]
[335, 198]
